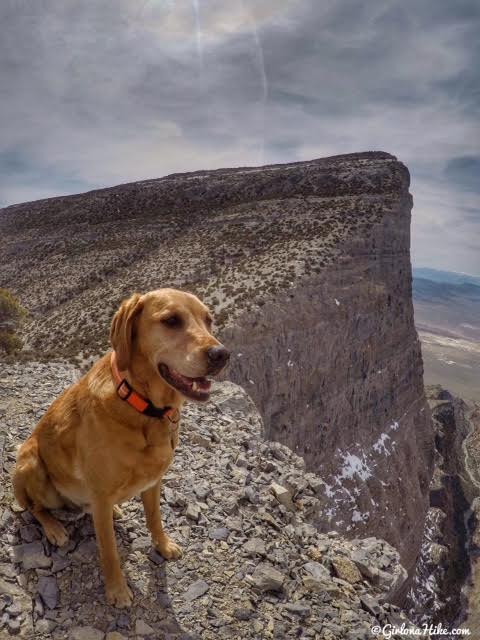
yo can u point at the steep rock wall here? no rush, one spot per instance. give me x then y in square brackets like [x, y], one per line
[448, 546]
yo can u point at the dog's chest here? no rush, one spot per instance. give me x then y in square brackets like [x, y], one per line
[151, 463]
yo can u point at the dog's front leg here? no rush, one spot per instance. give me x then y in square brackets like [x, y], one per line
[116, 588]
[162, 542]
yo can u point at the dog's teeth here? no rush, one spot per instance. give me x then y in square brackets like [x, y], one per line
[194, 386]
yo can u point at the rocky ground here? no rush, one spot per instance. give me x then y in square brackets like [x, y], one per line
[253, 565]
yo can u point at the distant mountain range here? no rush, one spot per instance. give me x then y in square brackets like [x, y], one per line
[445, 277]
[447, 316]
[429, 287]
[447, 302]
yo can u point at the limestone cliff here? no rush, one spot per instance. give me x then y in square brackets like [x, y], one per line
[307, 266]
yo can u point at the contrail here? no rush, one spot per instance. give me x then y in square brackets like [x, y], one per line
[263, 76]
[198, 30]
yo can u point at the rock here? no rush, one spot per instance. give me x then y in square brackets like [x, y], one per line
[318, 586]
[169, 496]
[197, 438]
[13, 626]
[370, 604]
[251, 495]
[48, 590]
[317, 570]
[346, 569]
[243, 614]
[141, 543]
[219, 534]
[58, 563]
[156, 557]
[9, 588]
[38, 607]
[298, 609]
[143, 629]
[86, 551]
[196, 590]
[268, 466]
[255, 546]
[115, 635]
[316, 484]
[7, 570]
[258, 627]
[241, 461]
[193, 511]
[15, 609]
[45, 626]
[31, 555]
[392, 582]
[86, 633]
[364, 564]
[283, 495]
[6, 518]
[267, 578]
[123, 621]
[30, 532]
[202, 490]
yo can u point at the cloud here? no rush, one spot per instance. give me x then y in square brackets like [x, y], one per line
[465, 170]
[95, 94]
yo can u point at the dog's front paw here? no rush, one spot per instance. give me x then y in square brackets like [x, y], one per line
[55, 532]
[169, 549]
[119, 594]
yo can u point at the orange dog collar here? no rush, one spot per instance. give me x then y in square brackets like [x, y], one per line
[126, 392]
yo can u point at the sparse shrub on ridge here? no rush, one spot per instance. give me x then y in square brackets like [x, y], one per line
[11, 316]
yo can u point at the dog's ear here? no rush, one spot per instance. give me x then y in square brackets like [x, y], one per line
[122, 329]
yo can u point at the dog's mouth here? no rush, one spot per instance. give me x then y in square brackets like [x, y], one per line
[194, 388]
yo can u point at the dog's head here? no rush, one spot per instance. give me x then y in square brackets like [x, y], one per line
[171, 330]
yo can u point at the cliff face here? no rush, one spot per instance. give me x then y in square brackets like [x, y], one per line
[307, 266]
[449, 547]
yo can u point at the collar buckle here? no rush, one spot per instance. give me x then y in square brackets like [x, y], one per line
[124, 389]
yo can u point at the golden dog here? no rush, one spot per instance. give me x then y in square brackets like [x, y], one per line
[112, 435]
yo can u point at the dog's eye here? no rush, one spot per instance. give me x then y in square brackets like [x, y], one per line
[172, 321]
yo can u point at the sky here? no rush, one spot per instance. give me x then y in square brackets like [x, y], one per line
[94, 94]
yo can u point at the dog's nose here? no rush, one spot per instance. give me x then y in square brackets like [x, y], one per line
[217, 357]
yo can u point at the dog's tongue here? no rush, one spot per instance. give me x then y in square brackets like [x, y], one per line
[204, 384]
[200, 383]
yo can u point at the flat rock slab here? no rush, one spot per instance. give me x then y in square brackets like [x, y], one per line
[31, 555]
[196, 590]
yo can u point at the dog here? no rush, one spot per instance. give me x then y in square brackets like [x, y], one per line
[112, 435]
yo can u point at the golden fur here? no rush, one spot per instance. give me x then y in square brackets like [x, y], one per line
[93, 450]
